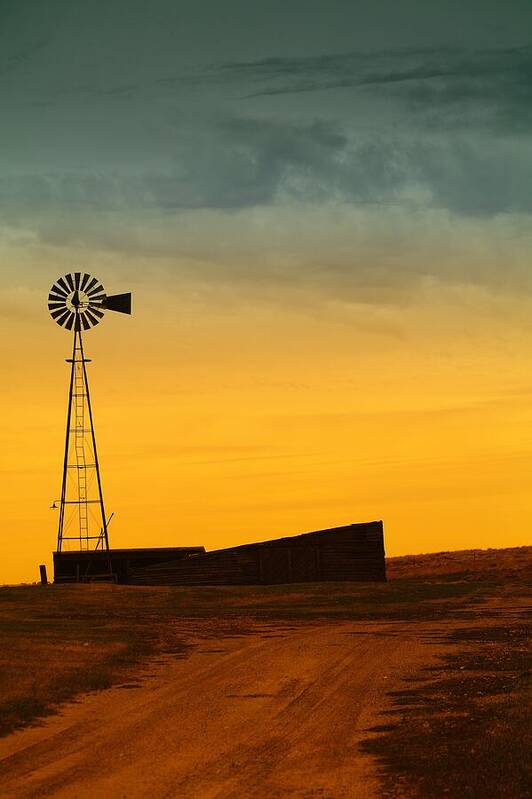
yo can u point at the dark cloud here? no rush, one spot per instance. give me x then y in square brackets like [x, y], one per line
[476, 177]
[449, 87]
[373, 68]
[242, 162]
[114, 118]
[232, 163]
[291, 150]
[445, 80]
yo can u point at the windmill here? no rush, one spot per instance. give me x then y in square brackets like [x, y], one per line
[77, 302]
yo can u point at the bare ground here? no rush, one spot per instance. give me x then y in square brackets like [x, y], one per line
[277, 712]
[368, 691]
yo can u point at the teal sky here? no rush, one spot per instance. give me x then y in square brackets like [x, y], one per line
[108, 107]
[296, 152]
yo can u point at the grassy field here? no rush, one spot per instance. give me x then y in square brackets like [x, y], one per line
[59, 641]
[465, 729]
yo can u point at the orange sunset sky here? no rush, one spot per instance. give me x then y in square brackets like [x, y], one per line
[331, 320]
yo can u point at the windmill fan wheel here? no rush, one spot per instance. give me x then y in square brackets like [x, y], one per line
[77, 299]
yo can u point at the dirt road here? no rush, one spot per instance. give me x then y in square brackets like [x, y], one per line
[278, 712]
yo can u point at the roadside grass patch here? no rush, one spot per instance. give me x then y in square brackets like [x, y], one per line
[465, 730]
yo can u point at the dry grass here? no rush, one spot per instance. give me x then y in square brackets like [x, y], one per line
[512, 564]
[464, 730]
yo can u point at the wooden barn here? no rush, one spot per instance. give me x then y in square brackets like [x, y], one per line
[352, 552]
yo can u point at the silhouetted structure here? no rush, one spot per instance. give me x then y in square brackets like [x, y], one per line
[79, 567]
[352, 552]
[77, 302]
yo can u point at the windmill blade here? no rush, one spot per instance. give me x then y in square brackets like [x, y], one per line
[64, 285]
[53, 306]
[85, 322]
[53, 297]
[91, 315]
[61, 319]
[84, 280]
[98, 297]
[95, 289]
[55, 300]
[57, 289]
[90, 285]
[70, 282]
[58, 312]
[95, 308]
[118, 302]
[70, 321]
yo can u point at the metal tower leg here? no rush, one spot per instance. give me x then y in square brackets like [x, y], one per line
[86, 529]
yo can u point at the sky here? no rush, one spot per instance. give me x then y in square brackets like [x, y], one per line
[323, 209]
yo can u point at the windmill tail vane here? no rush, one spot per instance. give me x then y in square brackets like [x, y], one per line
[78, 302]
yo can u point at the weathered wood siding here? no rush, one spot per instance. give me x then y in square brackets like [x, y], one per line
[353, 552]
[88, 566]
